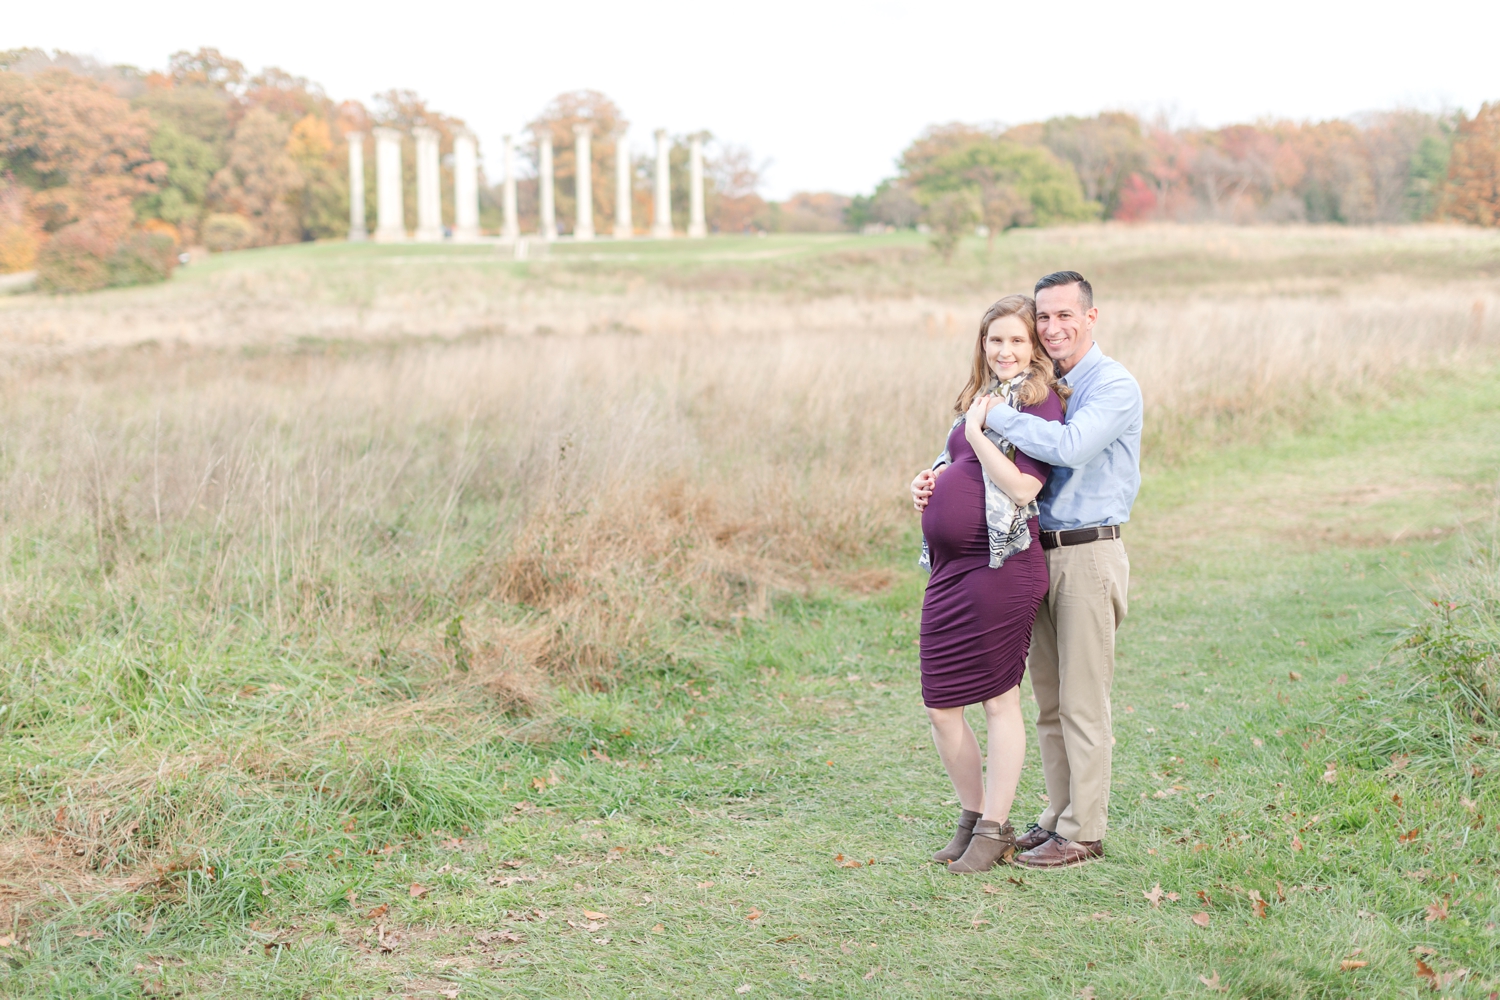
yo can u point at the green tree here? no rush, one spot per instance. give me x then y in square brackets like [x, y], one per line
[191, 164]
[1429, 169]
[1008, 184]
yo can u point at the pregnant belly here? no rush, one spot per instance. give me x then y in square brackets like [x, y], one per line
[953, 521]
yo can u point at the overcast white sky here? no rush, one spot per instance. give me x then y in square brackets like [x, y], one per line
[828, 92]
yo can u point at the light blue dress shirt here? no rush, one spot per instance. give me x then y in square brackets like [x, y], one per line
[1095, 453]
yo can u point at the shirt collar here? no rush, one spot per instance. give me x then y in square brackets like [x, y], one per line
[1091, 357]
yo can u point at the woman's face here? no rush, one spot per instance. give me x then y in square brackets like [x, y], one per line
[1007, 347]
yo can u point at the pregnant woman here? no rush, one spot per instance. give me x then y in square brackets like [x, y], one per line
[980, 539]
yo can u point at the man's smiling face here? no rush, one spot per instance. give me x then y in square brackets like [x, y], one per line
[1065, 326]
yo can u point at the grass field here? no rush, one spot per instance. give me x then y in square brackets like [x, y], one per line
[375, 627]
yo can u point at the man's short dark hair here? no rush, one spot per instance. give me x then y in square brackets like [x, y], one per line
[1059, 278]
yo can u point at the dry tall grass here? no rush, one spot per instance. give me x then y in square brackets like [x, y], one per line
[228, 558]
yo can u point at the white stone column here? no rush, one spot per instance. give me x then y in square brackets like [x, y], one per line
[624, 189]
[697, 228]
[547, 224]
[429, 187]
[357, 230]
[391, 227]
[511, 229]
[662, 227]
[583, 182]
[465, 187]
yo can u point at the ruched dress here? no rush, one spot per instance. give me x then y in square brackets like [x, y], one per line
[976, 621]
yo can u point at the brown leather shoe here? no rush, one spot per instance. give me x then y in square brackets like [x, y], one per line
[1035, 836]
[1059, 852]
[960, 842]
[992, 844]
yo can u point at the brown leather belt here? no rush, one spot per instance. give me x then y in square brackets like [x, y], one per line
[1078, 536]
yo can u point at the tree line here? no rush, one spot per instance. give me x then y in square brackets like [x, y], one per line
[108, 172]
[1387, 167]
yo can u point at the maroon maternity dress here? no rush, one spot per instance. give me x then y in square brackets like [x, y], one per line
[976, 621]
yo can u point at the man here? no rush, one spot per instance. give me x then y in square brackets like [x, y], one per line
[1095, 455]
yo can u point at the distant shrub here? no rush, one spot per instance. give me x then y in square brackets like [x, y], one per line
[1457, 643]
[79, 258]
[227, 232]
[18, 232]
[143, 258]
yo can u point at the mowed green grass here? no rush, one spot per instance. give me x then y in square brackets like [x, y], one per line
[1125, 260]
[694, 830]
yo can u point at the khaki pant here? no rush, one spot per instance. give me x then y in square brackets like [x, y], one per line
[1072, 664]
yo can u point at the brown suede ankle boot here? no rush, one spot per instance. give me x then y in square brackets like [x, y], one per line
[992, 844]
[960, 841]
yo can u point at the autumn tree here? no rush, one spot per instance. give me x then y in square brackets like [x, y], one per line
[260, 179]
[405, 110]
[581, 107]
[1473, 192]
[83, 154]
[1103, 150]
[733, 181]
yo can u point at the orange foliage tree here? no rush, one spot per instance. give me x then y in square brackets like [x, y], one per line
[1474, 171]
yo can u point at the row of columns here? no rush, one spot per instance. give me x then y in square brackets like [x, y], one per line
[390, 210]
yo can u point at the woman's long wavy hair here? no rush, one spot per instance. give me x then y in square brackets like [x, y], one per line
[1041, 374]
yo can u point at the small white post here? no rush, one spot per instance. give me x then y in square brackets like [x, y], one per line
[512, 226]
[583, 183]
[697, 229]
[357, 231]
[623, 188]
[429, 189]
[547, 226]
[391, 226]
[465, 187]
[662, 227]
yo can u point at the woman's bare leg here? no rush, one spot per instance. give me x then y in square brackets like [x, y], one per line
[959, 749]
[1007, 740]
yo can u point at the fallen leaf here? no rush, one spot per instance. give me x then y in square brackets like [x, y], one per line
[1409, 835]
[658, 929]
[1257, 903]
[1330, 773]
[871, 973]
[1201, 918]
[1204, 896]
[705, 885]
[509, 937]
[1424, 971]
[1438, 909]
[1087, 993]
[539, 783]
[1016, 881]
[1352, 963]
[1341, 679]
[1296, 842]
[1468, 803]
[1399, 760]
[1213, 983]
[1293, 675]
[1280, 893]
[1154, 896]
[1173, 897]
[992, 889]
[665, 852]
[450, 994]
[1102, 915]
[595, 915]
[1180, 706]
[744, 988]
[754, 913]
[378, 912]
[1257, 741]
[977, 923]
[416, 891]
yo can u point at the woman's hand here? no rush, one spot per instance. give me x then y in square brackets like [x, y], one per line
[974, 419]
[921, 488]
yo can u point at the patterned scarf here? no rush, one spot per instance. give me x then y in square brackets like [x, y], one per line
[1005, 521]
